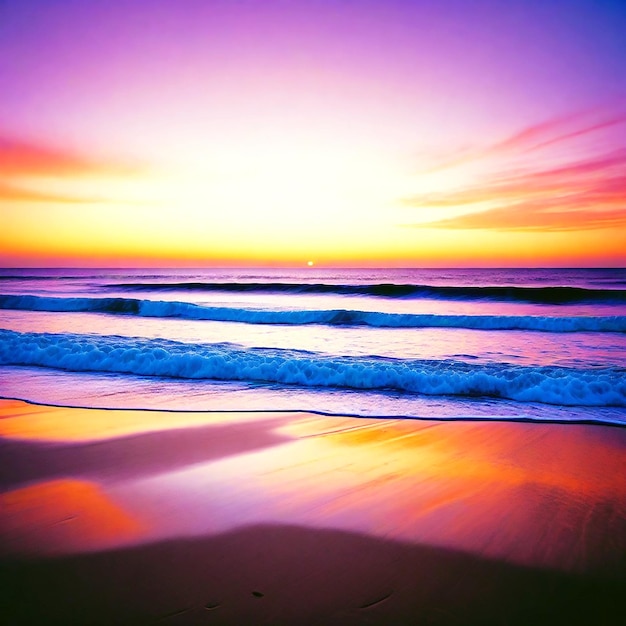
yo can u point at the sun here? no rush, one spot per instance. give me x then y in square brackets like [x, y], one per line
[310, 263]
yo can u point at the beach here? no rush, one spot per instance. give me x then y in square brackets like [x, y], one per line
[116, 516]
[313, 447]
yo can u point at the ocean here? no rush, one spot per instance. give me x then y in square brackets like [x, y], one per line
[497, 344]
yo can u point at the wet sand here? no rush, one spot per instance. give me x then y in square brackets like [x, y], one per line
[141, 517]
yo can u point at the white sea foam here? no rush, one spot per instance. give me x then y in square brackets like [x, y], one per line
[160, 357]
[336, 317]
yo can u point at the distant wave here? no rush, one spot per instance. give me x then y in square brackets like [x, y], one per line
[19, 277]
[536, 295]
[227, 362]
[335, 317]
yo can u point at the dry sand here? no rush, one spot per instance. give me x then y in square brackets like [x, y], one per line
[139, 517]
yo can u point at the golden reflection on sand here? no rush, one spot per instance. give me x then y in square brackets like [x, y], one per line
[62, 516]
[537, 494]
[555, 455]
[19, 420]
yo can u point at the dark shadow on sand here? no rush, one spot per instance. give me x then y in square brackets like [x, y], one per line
[285, 575]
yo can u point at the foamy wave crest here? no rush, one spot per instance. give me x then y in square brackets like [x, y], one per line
[227, 362]
[537, 295]
[336, 317]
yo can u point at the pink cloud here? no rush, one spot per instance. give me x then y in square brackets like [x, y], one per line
[22, 160]
[547, 134]
[588, 193]
[20, 157]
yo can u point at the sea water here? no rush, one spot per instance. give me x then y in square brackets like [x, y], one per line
[540, 344]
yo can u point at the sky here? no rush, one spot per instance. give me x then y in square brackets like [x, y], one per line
[395, 133]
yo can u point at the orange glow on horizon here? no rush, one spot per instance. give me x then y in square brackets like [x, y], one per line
[510, 205]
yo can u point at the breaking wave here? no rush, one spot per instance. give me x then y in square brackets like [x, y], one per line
[600, 387]
[335, 317]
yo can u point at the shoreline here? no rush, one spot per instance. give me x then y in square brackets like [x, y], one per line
[342, 414]
[122, 516]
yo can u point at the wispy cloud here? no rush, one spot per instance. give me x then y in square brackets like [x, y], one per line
[18, 194]
[540, 216]
[552, 132]
[19, 157]
[24, 163]
[587, 193]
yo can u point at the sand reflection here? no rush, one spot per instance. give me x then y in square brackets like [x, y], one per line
[63, 516]
[550, 495]
[20, 420]
[539, 495]
[534, 494]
